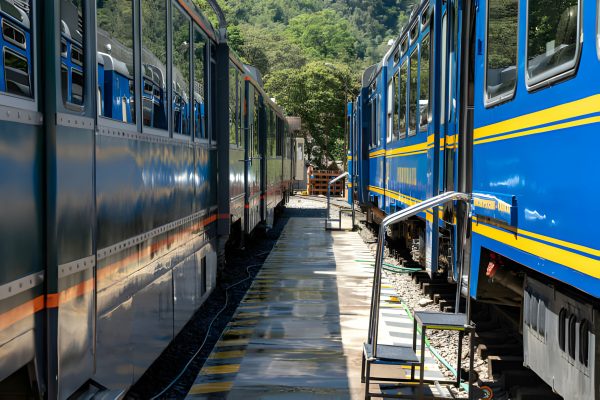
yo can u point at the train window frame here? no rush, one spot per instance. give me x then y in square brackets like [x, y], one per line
[396, 102]
[7, 23]
[115, 123]
[67, 105]
[412, 132]
[404, 45]
[233, 114]
[598, 29]
[426, 17]
[197, 30]
[14, 100]
[146, 129]
[414, 31]
[505, 97]
[390, 110]
[561, 71]
[175, 7]
[421, 128]
[404, 98]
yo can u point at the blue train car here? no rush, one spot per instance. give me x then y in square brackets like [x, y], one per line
[114, 211]
[505, 114]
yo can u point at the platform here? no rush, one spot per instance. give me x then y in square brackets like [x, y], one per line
[299, 332]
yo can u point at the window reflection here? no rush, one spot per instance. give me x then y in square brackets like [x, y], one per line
[501, 73]
[71, 32]
[412, 96]
[200, 120]
[402, 96]
[424, 74]
[154, 61]
[114, 36]
[181, 72]
[17, 54]
[552, 37]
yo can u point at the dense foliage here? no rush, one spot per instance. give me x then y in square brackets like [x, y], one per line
[312, 53]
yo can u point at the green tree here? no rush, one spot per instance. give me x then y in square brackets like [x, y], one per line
[324, 36]
[317, 93]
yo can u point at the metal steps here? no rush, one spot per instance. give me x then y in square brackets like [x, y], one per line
[377, 354]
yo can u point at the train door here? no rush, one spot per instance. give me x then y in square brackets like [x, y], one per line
[22, 192]
[70, 156]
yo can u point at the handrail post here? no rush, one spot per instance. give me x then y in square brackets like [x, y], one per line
[337, 178]
[394, 219]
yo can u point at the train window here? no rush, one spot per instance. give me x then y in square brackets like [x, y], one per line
[114, 42]
[414, 31]
[233, 101]
[584, 342]
[404, 45]
[200, 120]
[445, 67]
[256, 125]
[154, 61]
[279, 141]
[412, 93]
[501, 56]
[402, 100]
[71, 15]
[13, 35]
[397, 101]
[572, 335]
[390, 109]
[16, 74]
[273, 136]
[424, 74]
[77, 85]
[64, 80]
[213, 93]
[396, 56]
[552, 39]
[240, 110]
[17, 36]
[180, 45]
[425, 17]
[374, 120]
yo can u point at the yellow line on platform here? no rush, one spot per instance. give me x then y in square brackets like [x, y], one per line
[213, 387]
[245, 322]
[232, 342]
[239, 332]
[220, 369]
[220, 355]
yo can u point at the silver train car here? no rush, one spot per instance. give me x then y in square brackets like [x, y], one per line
[119, 189]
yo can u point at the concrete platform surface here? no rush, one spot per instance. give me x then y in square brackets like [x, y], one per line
[298, 333]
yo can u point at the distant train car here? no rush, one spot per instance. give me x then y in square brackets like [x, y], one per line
[499, 100]
[113, 142]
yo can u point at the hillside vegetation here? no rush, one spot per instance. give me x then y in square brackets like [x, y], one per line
[311, 54]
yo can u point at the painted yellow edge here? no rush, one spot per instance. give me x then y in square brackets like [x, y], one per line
[567, 258]
[572, 109]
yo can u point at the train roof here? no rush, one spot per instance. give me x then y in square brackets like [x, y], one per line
[414, 16]
[194, 11]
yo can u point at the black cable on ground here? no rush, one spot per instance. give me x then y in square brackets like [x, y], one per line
[186, 366]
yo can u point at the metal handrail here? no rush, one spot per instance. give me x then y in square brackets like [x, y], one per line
[334, 180]
[394, 219]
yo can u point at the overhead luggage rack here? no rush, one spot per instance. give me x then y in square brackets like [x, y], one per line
[405, 355]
